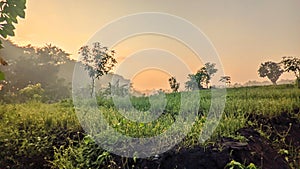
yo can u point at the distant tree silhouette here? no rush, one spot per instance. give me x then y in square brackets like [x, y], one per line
[226, 80]
[292, 64]
[201, 78]
[174, 84]
[271, 70]
[33, 67]
[210, 70]
[98, 61]
[52, 54]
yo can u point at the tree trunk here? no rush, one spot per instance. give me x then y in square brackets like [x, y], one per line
[93, 86]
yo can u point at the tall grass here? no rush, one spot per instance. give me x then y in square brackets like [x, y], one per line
[39, 135]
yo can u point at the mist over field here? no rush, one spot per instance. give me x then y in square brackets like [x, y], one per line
[156, 85]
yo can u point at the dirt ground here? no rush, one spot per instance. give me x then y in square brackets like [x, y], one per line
[281, 133]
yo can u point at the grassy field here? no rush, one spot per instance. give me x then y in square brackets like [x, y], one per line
[40, 135]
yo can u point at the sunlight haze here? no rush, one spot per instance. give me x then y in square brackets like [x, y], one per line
[244, 33]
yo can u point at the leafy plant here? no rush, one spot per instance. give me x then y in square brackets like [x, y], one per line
[236, 165]
[10, 10]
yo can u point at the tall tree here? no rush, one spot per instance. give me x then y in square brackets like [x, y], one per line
[271, 70]
[210, 70]
[292, 64]
[9, 11]
[98, 61]
[202, 78]
[174, 84]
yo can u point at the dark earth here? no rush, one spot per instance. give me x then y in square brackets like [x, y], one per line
[282, 131]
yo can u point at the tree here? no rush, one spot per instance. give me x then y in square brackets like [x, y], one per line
[271, 70]
[97, 60]
[9, 11]
[52, 54]
[201, 78]
[174, 84]
[31, 67]
[191, 84]
[292, 64]
[226, 80]
[210, 70]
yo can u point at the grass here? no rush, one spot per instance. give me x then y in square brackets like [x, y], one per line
[36, 134]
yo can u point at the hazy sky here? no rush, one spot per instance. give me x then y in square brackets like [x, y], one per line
[244, 32]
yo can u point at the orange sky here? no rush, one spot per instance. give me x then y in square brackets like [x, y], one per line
[244, 33]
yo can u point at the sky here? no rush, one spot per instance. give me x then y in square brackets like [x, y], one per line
[243, 33]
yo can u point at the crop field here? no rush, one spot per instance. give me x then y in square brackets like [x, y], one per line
[49, 135]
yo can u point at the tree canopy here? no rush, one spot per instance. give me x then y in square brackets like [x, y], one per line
[97, 61]
[291, 64]
[271, 70]
[202, 77]
[28, 67]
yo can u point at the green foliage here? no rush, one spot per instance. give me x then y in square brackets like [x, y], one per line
[9, 11]
[193, 83]
[271, 70]
[84, 154]
[201, 78]
[32, 92]
[29, 131]
[39, 135]
[36, 65]
[2, 76]
[236, 165]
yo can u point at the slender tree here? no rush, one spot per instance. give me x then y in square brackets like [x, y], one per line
[210, 70]
[98, 61]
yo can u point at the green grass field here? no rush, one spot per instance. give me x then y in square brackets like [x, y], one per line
[40, 135]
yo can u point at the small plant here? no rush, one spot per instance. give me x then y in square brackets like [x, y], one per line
[236, 165]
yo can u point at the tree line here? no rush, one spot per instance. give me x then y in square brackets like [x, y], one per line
[37, 69]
